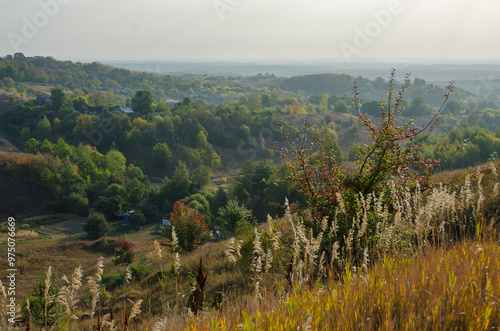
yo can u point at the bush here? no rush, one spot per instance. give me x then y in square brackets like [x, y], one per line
[190, 227]
[76, 203]
[138, 218]
[96, 226]
[232, 216]
[38, 300]
[125, 252]
[152, 213]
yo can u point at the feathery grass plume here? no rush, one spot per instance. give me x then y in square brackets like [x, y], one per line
[160, 325]
[2, 289]
[158, 249]
[158, 252]
[3, 318]
[68, 297]
[175, 240]
[493, 169]
[340, 200]
[273, 234]
[365, 259]
[111, 316]
[94, 286]
[28, 321]
[335, 254]
[136, 310]
[232, 251]
[177, 263]
[128, 274]
[48, 298]
[321, 266]
[258, 253]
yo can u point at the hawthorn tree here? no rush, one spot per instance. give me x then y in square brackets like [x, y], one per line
[392, 163]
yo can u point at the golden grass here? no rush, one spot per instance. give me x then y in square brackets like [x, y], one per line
[410, 285]
[451, 289]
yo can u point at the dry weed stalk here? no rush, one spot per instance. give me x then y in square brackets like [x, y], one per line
[48, 298]
[198, 289]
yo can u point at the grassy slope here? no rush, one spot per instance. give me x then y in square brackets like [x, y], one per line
[455, 288]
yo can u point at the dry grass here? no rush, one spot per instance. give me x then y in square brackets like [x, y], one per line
[451, 289]
[419, 276]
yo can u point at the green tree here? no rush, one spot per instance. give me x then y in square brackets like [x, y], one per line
[232, 216]
[76, 203]
[201, 177]
[142, 102]
[32, 146]
[201, 139]
[58, 96]
[181, 175]
[161, 156]
[371, 108]
[198, 202]
[340, 106]
[323, 106]
[331, 149]
[80, 103]
[418, 107]
[453, 107]
[310, 109]
[45, 309]
[43, 129]
[161, 106]
[96, 226]
[110, 205]
[25, 133]
[115, 162]
[138, 218]
[47, 178]
[255, 102]
[219, 200]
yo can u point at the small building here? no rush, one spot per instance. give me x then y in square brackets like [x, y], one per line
[166, 223]
[123, 110]
[94, 110]
[127, 215]
[43, 99]
[93, 206]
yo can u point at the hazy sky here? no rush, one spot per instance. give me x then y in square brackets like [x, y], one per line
[250, 29]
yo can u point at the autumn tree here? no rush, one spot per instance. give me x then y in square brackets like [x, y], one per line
[391, 164]
[190, 227]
